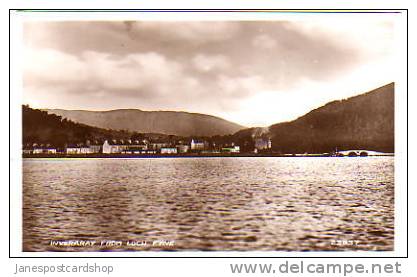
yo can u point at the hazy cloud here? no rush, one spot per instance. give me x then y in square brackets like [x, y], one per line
[207, 63]
[264, 41]
[209, 67]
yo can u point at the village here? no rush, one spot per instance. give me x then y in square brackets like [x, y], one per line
[144, 147]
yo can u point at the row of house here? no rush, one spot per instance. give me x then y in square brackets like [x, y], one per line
[140, 147]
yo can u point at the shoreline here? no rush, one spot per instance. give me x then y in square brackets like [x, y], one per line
[190, 155]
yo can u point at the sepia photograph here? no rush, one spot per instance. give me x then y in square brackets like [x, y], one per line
[271, 135]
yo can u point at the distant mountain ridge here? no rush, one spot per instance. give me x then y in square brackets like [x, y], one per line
[43, 128]
[164, 122]
[365, 121]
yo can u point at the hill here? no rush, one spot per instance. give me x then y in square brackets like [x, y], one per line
[361, 122]
[365, 121]
[40, 127]
[163, 122]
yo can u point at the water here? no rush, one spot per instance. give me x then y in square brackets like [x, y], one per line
[279, 204]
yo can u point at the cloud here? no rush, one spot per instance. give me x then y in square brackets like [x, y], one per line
[264, 41]
[210, 67]
[240, 86]
[131, 72]
[194, 32]
[52, 66]
[210, 62]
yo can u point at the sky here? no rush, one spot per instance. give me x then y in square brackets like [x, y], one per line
[254, 73]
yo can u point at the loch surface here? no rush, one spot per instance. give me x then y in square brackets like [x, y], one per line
[236, 203]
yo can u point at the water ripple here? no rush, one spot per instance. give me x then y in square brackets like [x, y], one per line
[284, 204]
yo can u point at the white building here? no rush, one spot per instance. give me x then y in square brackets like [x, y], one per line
[110, 147]
[113, 146]
[48, 150]
[78, 150]
[169, 150]
[197, 145]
